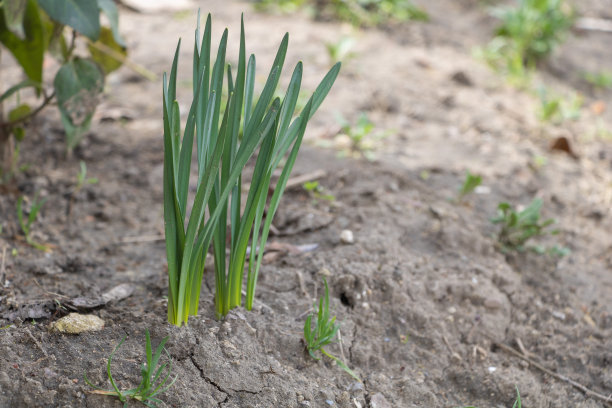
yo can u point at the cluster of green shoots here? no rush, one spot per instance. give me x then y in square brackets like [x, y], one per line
[226, 138]
[26, 223]
[361, 136]
[317, 191]
[518, 227]
[324, 333]
[528, 33]
[154, 377]
[599, 80]
[358, 13]
[557, 109]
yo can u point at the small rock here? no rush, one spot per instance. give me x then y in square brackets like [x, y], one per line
[492, 304]
[462, 78]
[346, 237]
[558, 315]
[76, 323]
[49, 373]
[356, 386]
[379, 401]
[329, 402]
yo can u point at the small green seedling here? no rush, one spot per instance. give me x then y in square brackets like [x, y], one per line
[26, 224]
[341, 49]
[361, 136]
[517, 403]
[599, 80]
[82, 179]
[325, 333]
[469, 185]
[358, 13]
[153, 381]
[557, 109]
[317, 191]
[528, 33]
[518, 227]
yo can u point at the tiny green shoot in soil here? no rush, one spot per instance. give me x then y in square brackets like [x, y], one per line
[26, 223]
[225, 142]
[599, 80]
[317, 191]
[528, 33]
[154, 376]
[82, 179]
[469, 185]
[325, 333]
[518, 227]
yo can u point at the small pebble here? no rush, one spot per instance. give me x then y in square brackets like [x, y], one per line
[492, 304]
[558, 315]
[346, 237]
[379, 401]
[329, 402]
[76, 323]
[356, 386]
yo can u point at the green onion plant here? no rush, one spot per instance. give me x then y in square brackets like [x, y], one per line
[153, 381]
[226, 138]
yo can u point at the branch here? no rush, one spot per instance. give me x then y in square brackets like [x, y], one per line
[12, 123]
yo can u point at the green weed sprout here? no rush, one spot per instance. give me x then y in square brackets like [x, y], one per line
[517, 403]
[82, 177]
[469, 185]
[154, 377]
[340, 50]
[224, 145]
[325, 333]
[557, 109]
[536, 27]
[358, 13]
[528, 33]
[361, 136]
[317, 191]
[26, 224]
[599, 80]
[519, 227]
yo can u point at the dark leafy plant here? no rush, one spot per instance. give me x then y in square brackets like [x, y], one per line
[31, 28]
[154, 377]
[224, 145]
[518, 227]
[325, 332]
